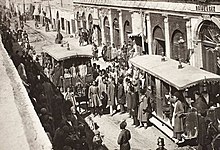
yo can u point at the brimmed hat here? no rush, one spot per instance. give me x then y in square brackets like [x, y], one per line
[123, 124]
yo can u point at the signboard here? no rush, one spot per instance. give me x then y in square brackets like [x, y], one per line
[205, 8]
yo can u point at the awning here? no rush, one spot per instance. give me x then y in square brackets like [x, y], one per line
[168, 71]
[61, 53]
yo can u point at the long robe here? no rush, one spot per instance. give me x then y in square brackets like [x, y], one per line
[121, 94]
[123, 139]
[93, 94]
[177, 117]
[111, 94]
[142, 115]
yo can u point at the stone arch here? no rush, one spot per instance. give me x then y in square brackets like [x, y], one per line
[178, 46]
[107, 30]
[127, 30]
[158, 41]
[83, 18]
[208, 38]
[199, 24]
[90, 21]
[116, 33]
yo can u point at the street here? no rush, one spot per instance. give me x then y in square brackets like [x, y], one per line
[142, 139]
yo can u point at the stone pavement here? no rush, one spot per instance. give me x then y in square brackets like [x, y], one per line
[142, 139]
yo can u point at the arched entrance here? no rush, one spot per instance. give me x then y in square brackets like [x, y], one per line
[209, 34]
[107, 30]
[90, 22]
[178, 50]
[83, 20]
[158, 41]
[97, 35]
[127, 30]
[116, 34]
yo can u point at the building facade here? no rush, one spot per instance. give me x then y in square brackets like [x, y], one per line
[188, 31]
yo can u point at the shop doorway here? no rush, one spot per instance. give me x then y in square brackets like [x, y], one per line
[158, 41]
[107, 30]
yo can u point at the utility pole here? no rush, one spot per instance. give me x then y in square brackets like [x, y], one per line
[61, 3]
[24, 6]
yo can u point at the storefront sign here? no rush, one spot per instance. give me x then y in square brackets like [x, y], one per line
[205, 8]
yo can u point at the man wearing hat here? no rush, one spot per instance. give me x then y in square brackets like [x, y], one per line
[160, 143]
[124, 137]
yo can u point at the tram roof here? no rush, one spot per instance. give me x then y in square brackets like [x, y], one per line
[61, 53]
[168, 71]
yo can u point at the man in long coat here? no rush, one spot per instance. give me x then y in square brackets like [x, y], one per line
[93, 95]
[177, 120]
[124, 137]
[111, 95]
[144, 108]
[134, 106]
[121, 96]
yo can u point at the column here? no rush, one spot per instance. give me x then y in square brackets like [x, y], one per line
[111, 27]
[167, 36]
[121, 27]
[75, 21]
[198, 54]
[142, 30]
[190, 41]
[103, 30]
[149, 34]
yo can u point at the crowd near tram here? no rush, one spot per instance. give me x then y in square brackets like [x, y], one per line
[54, 88]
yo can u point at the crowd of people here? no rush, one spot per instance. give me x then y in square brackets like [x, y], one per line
[65, 128]
[120, 87]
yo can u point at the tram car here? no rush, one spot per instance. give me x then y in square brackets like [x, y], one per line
[69, 67]
[165, 77]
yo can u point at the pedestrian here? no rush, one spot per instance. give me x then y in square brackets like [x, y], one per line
[143, 116]
[97, 141]
[177, 118]
[129, 97]
[160, 143]
[124, 137]
[95, 51]
[93, 95]
[134, 106]
[111, 95]
[121, 95]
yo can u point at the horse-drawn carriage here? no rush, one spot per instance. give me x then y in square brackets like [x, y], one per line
[167, 76]
[68, 65]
